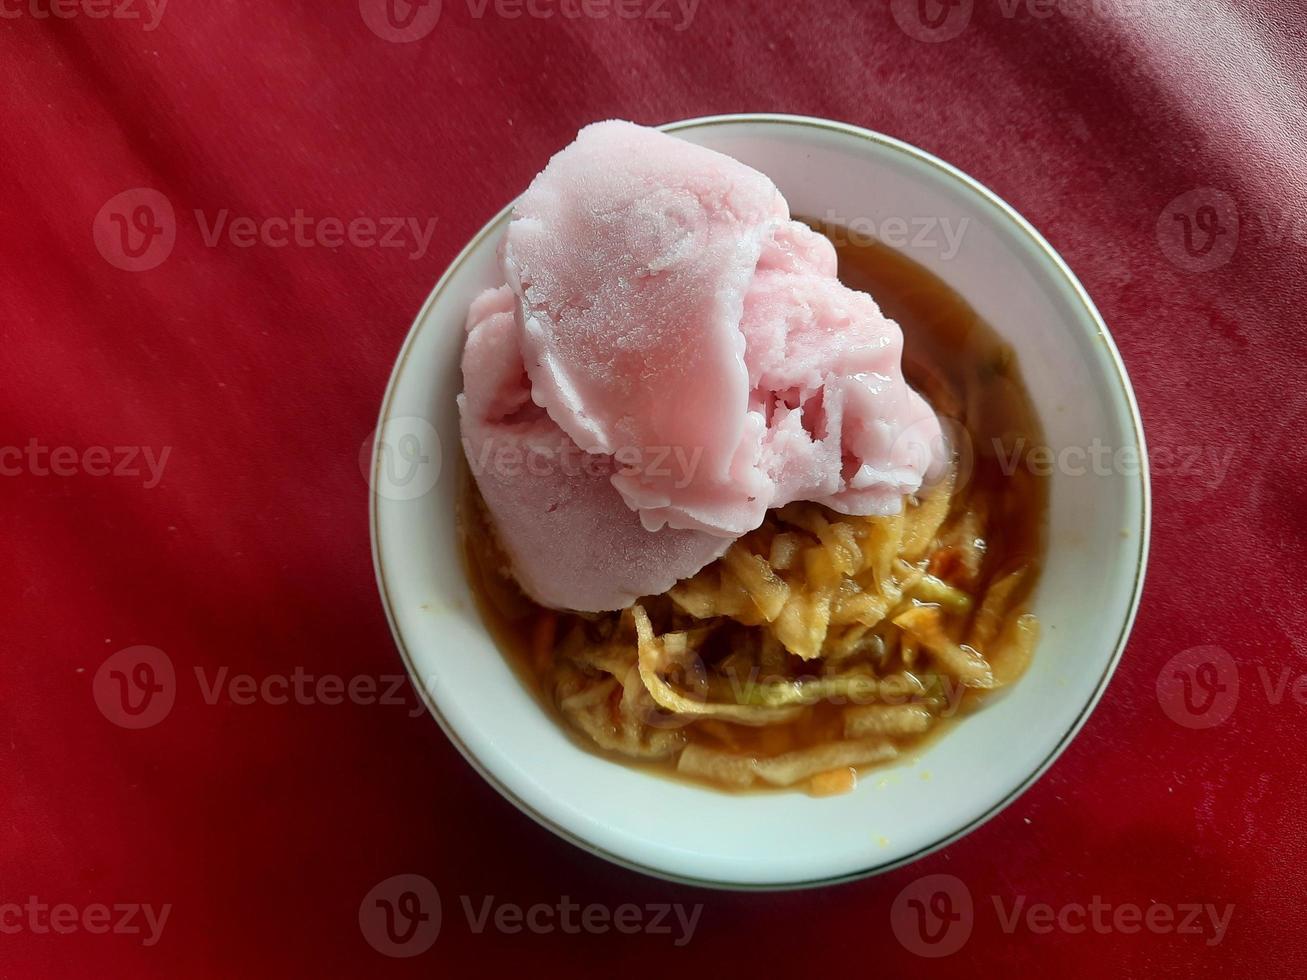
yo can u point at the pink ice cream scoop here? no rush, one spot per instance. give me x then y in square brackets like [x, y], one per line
[843, 428]
[686, 356]
[572, 541]
[630, 256]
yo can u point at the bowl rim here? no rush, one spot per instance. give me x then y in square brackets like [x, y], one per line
[1141, 561]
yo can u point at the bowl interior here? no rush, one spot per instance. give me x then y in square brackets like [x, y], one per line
[1085, 600]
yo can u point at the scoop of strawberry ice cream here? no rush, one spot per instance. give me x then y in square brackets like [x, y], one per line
[843, 428]
[667, 322]
[572, 541]
[630, 256]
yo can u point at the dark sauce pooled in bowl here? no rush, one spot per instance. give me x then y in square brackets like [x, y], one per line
[971, 378]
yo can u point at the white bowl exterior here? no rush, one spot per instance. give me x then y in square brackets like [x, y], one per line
[1085, 600]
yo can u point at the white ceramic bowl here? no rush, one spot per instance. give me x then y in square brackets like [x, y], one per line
[1086, 599]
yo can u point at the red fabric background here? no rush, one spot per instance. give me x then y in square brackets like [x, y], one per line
[262, 368]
